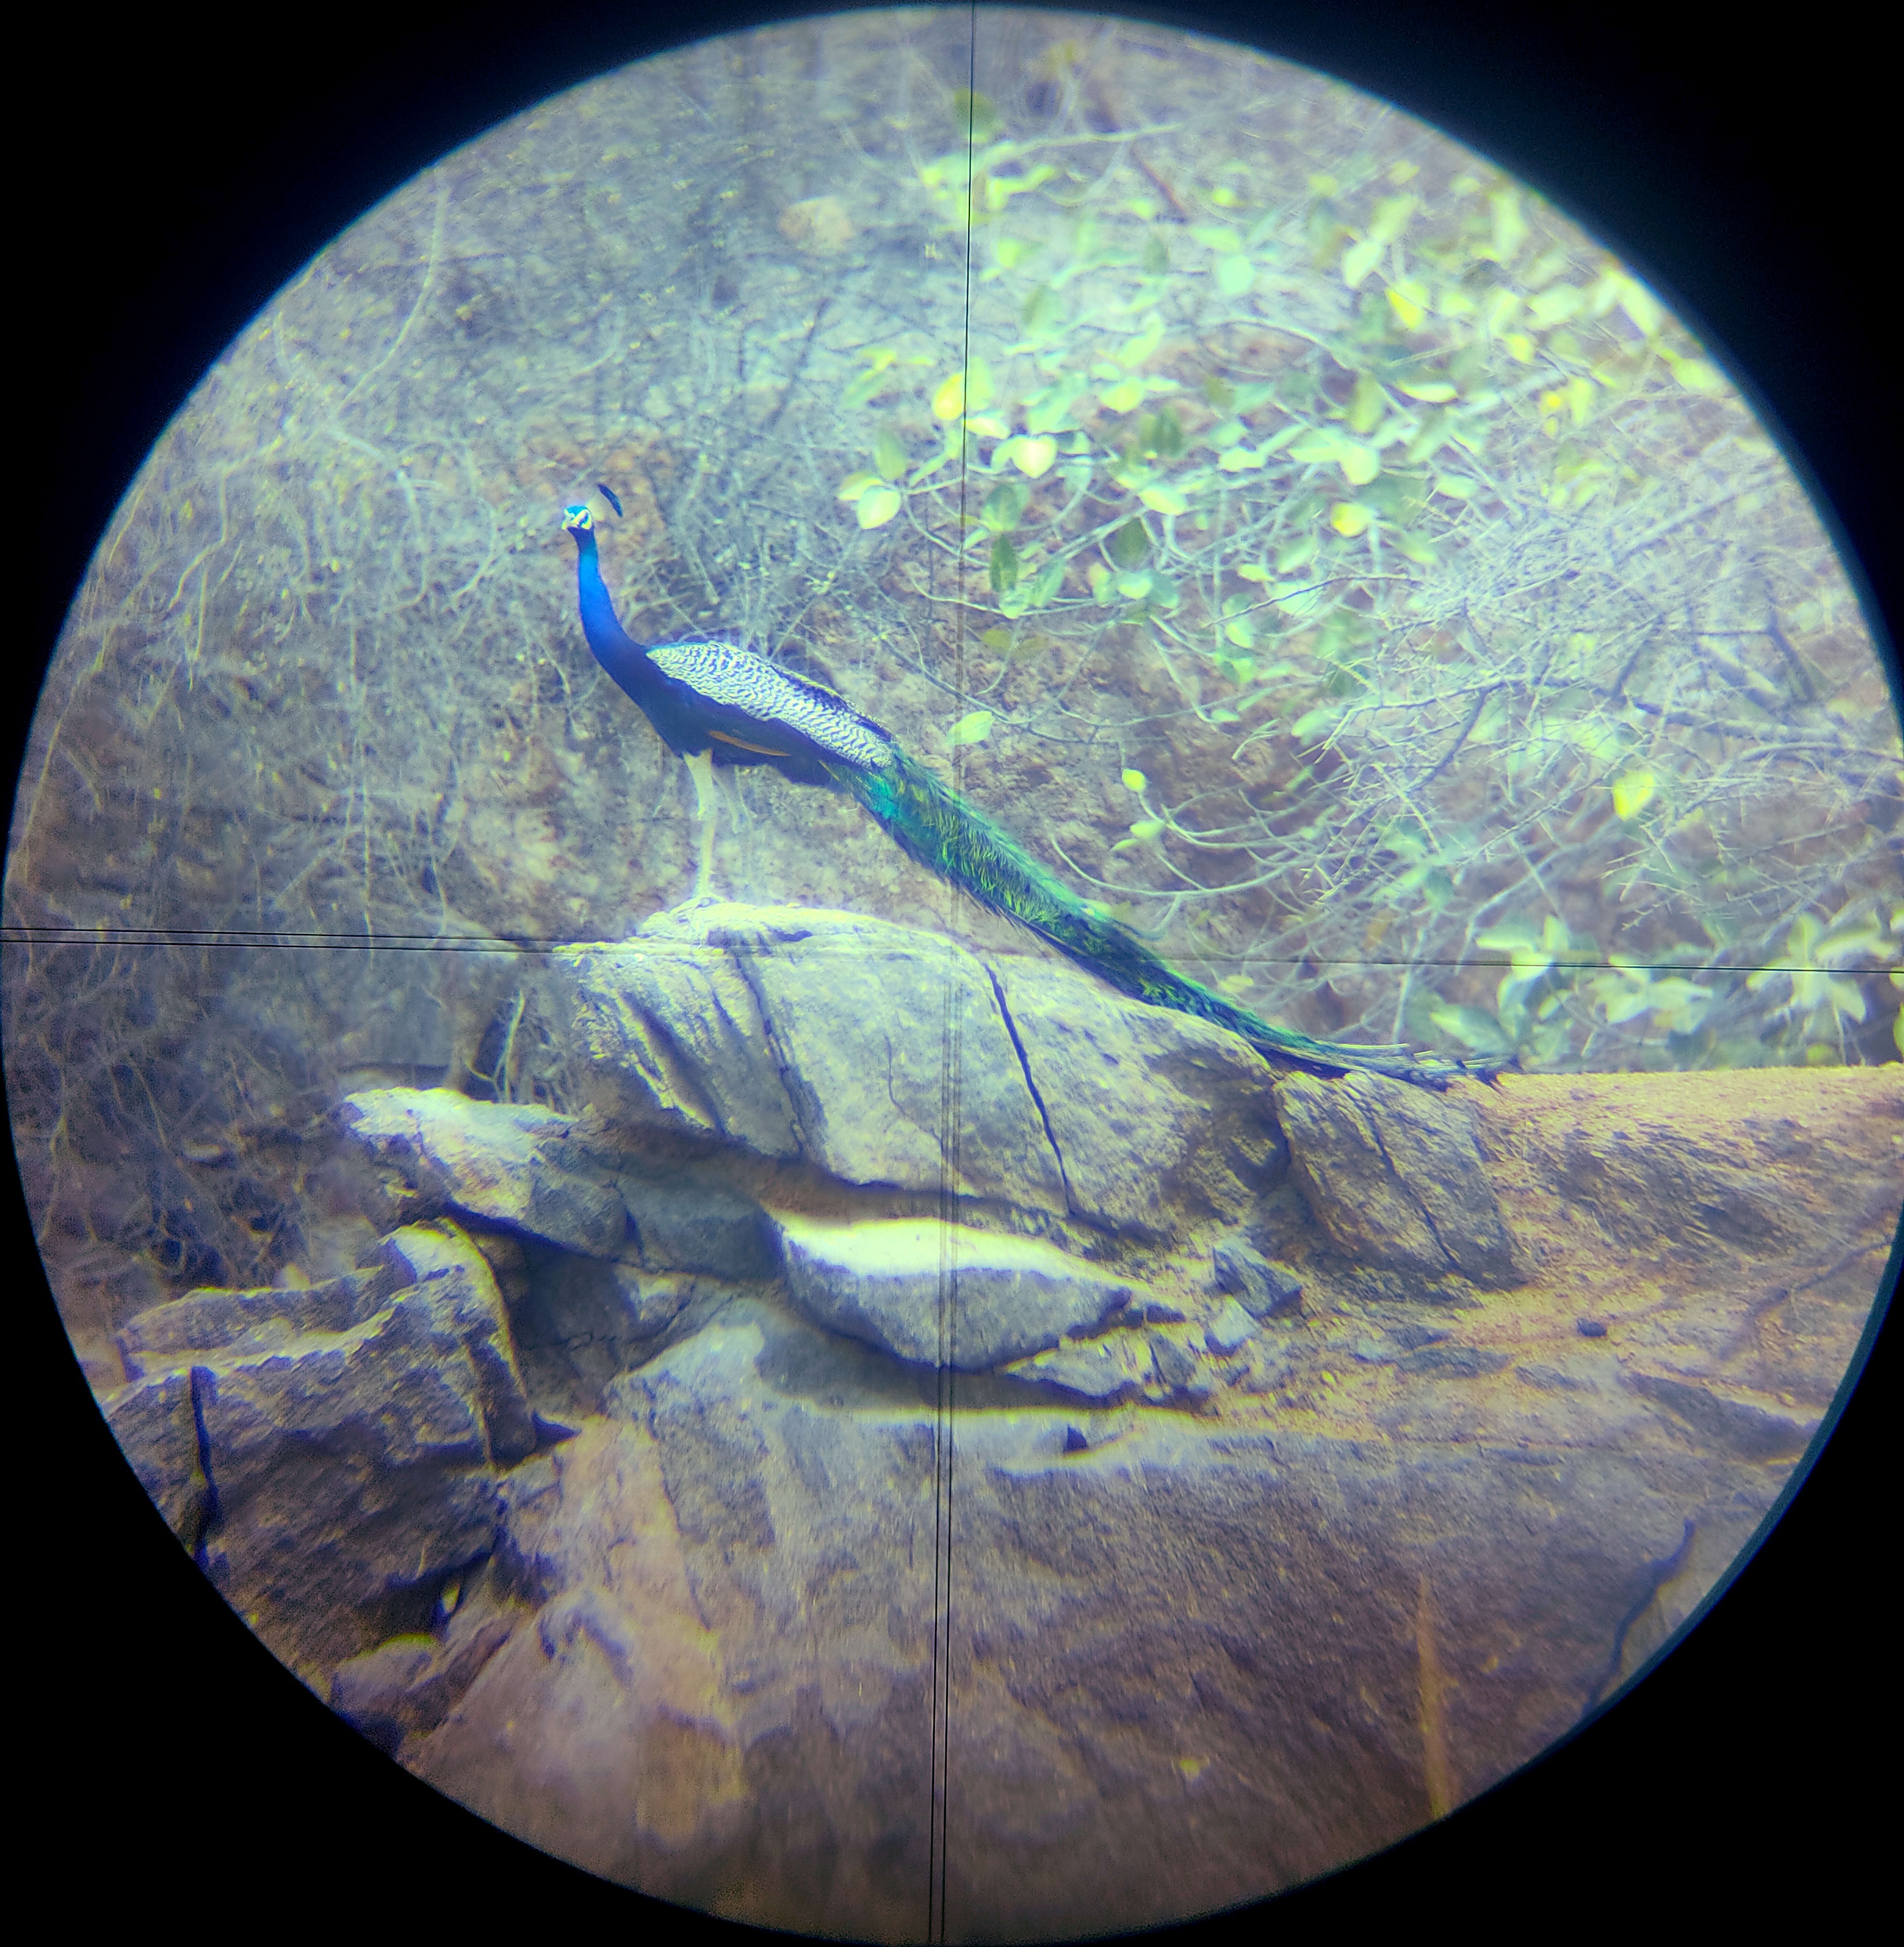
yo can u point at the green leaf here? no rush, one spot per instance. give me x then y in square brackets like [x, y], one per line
[1004, 566]
[1164, 501]
[877, 505]
[1130, 545]
[1430, 391]
[1041, 312]
[1510, 226]
[974, 116]
[1473, 1027]
[1124, 396]
[1317, 444]
[889, 456]
[1633, 793]
[1136, 781]
[1639, 304]
[1050, 411]
[1392, 215]
[1033, 458]
[1004, 507]
[855, 484]
[974, 728]
[1359, 259]
[1360, 463]
[949, 401]
[1368, 405]
[1134, 352]
[1555, 304]
[1047, 587]
[1234, 275]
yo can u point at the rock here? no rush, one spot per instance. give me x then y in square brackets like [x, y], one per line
[1729, 1417]
[1116, 1366]
[689, 1223]
[1160, 1120]
[510, 1163]
[1263, 1287]
[1176, 1362]
[335, 1461]
[669, 1032]
[826, 1036]
[156, 1424]
[409, 1684]
[448, 1270]
[1452, 1362]
[1150, 1622]
[1411, 1337]
[943, 1294]
[1395, 1176]
[208, 1321]
[604, 1732]
[347, 1469]
[1229, 1329]
[823, 1034]
[587, 1319]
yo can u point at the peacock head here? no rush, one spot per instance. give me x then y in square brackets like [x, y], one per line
[577, 520]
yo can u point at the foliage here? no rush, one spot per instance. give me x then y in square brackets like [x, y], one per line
[1401, 477]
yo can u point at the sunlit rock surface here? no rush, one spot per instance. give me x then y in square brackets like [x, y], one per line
[942, 1294]
[1269, 1500]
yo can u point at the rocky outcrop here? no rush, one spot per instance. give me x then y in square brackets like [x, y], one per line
[1259, 1465]
[1395, 1175]
[833, 1038]
[518, 1166]
[345, 1439]
[940, 1294]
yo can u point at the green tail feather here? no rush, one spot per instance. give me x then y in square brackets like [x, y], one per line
[932, 824]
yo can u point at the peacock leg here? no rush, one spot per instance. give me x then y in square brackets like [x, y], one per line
[707, 806]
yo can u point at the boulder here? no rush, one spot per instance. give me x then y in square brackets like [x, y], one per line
[886, 1055]
[509, 1163]
[409, 1684]
[155, 1423]
[877, 1052]
[1161, 1121]
[1395, 1175]
[335, 1462]
[683, 1221]
[943, 1294]
[1264, 1288]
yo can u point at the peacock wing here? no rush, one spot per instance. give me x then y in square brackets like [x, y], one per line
[740, 690]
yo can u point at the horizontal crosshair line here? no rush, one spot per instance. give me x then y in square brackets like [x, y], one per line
[427, 943]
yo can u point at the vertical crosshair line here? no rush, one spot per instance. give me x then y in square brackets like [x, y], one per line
[951, 1170]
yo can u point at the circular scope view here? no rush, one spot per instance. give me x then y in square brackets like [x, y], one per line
[952, 987]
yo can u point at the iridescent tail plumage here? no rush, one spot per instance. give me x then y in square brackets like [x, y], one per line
[932, 824]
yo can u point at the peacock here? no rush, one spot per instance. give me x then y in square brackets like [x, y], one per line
[713, 702]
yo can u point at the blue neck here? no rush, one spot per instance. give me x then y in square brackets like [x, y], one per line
[615, 649]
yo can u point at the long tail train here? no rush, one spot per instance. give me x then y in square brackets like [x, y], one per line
[932, 824]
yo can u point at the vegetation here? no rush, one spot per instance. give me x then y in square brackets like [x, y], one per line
[1399, 477]
[1293, 529]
